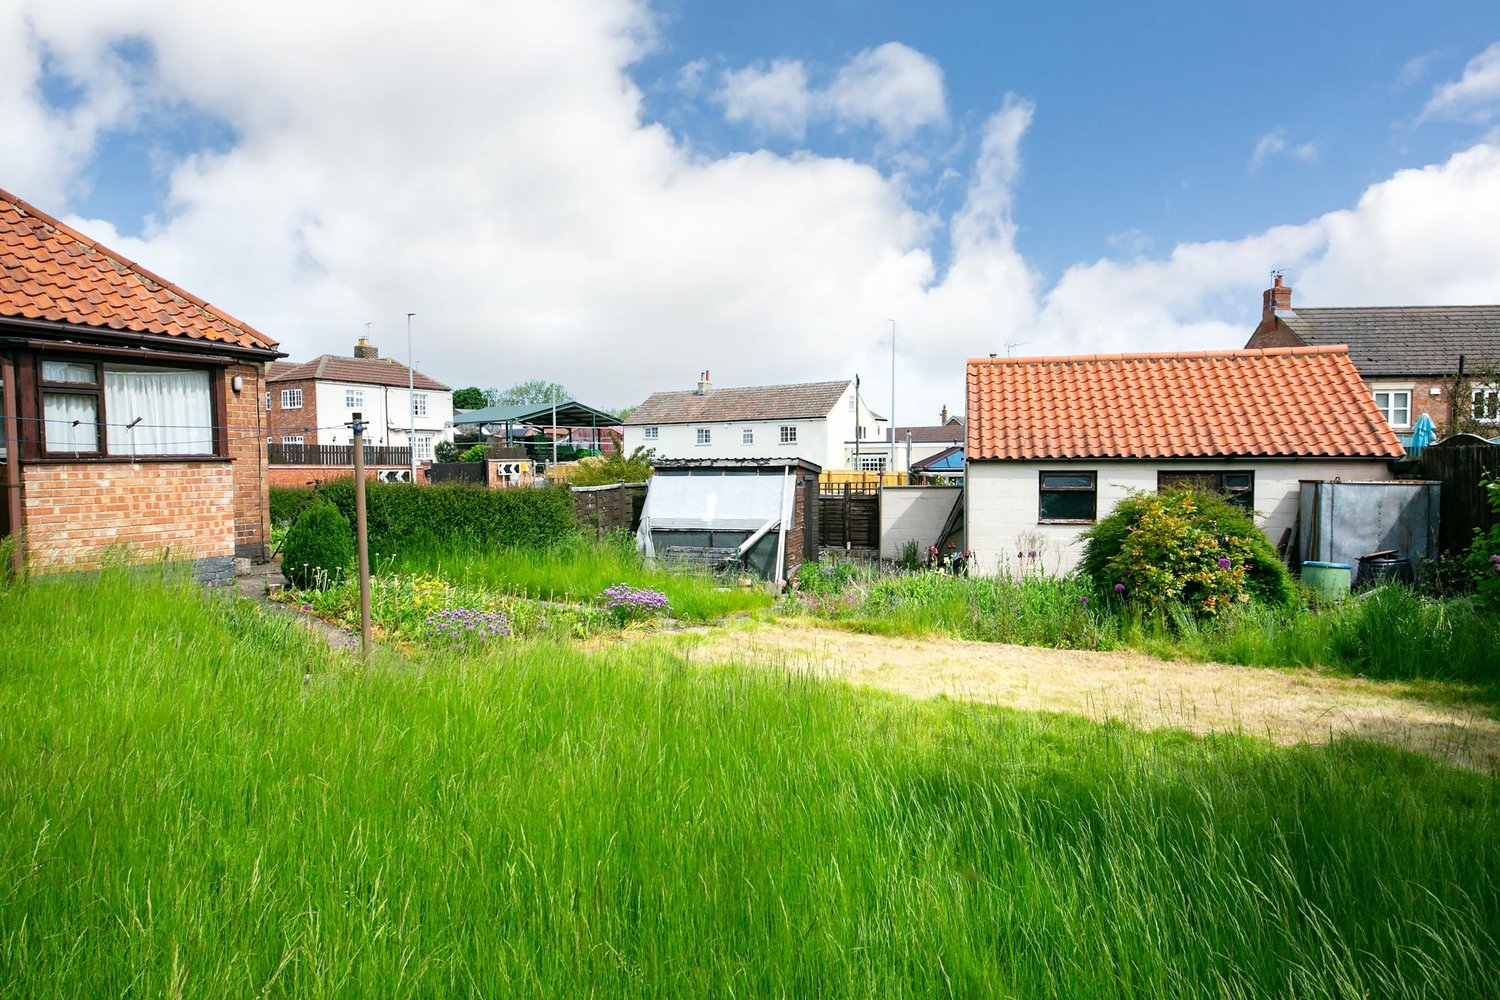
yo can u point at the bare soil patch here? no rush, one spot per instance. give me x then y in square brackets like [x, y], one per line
[1284, 706]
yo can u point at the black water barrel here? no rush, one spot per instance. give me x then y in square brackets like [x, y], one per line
[1376, 570]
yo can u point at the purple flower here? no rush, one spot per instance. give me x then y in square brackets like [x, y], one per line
[1119, 588]
[1083, 600]
[305, 607]
[1224, 562]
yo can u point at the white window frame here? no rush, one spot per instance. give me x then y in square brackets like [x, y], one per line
[268, 400]
[291, 399]
[872, 463]
[421, 447]
[650, 433]
[354, 399]
[292, 439]
[705, 435]
[1484, 403]
[747, 436]
[419, 404]
[788, 434]
[1392, 404]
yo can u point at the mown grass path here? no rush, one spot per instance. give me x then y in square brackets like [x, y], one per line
[1285, 706]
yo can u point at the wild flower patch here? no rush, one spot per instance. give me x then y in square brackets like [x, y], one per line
[464, 626]
[627, 603]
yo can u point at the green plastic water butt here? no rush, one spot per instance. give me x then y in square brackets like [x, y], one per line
[1327, 579]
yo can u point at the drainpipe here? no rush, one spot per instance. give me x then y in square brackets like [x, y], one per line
[13, 465]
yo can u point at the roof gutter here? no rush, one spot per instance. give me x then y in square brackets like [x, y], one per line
[84, 334]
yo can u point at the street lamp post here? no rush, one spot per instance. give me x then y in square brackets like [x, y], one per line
[411, 401]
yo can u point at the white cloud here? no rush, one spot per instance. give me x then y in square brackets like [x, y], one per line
[1473, 97]
[489, 168]
[772, 98]
[893, 88]
[1274, 143]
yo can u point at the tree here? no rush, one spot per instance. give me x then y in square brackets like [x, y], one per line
[603, 470]
[534, 391]
[471, 398]
[624, 412]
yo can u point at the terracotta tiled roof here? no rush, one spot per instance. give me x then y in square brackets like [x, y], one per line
[360, 371]
[807, 400]
[1285, 402]
[49, 271]
[1404, 340]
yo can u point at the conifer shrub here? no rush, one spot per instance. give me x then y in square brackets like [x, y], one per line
[1184, 548]
[319, 548]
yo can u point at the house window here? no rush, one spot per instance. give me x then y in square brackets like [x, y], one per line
[292, 439]
[1237, 487]
[747, 436]
[135, 410]
[851, 402]
[1395, 406]
[859, 433]
[788, 435]
[650, 433]
[421, 445]
[872, 463]
[354, 399]
[705, 435]
[291, 399]
[419, 404]
[1067, 497]
[268, 401]
[1487, 404]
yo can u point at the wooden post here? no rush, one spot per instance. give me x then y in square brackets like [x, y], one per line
[361, 536]
[12, 500]
[847, 541]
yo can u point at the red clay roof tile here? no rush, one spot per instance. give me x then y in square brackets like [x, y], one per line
[49, 271]
[1284, 402]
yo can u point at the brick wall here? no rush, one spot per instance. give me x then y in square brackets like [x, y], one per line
[247, 450]
[183, 510]
[284, 422]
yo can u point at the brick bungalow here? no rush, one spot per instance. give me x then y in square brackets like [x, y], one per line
[132, 409]
[1408, 356]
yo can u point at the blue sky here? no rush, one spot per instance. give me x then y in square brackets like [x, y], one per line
[619, 193]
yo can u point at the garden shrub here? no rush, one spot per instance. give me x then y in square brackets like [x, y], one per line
[1483, 561]
[1185, 548]
[402, 516]
[603, 470]
[474, 454]
[286, 502]
[445, 451]
[319, 549]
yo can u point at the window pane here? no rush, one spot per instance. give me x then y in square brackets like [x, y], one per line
[748, 436]
[71, 422]
[1067, 481]
[77, 372]
[1074, 505]
[1236, 480]
[158, 411]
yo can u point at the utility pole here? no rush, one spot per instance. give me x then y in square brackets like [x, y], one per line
[856, 423]
[411, 401]
[554, 423]
[361, 535]
[892, 424]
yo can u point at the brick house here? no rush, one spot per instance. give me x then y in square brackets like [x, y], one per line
[132, 409]
[1408, 356]
[1055, 443]
[312, 403]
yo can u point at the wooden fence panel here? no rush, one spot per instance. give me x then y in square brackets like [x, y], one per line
[602, 509]
[1463, 507]
[335, 454]
[849, 519]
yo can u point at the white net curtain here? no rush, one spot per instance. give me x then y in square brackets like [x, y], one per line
[156, 411]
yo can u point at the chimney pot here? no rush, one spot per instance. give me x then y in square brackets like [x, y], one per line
[704, 385]
[364, 350]
[1277, 298]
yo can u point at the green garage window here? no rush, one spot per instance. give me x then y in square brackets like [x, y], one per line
[1068, 497]
[1237, 487]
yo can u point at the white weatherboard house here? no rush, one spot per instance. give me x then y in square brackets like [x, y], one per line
[824, 423]
[1054, 443]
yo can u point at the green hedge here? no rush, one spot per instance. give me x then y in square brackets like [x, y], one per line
[289, 501]
[401, 516]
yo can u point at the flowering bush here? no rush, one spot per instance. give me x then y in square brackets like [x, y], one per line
[1187, 548]
[1483, 561]
[461, 626]
[626, 602]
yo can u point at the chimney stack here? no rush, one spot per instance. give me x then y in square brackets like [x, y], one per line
[943, 418]
[704, 385]
[364, 350]
[1277, 298]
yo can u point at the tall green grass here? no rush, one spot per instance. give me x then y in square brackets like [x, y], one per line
[186, 815]
[578, 570]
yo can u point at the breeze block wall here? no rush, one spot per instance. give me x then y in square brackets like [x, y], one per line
[177, 511]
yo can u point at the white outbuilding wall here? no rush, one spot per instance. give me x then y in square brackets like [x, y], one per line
[1002, 501]
[913, 514]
